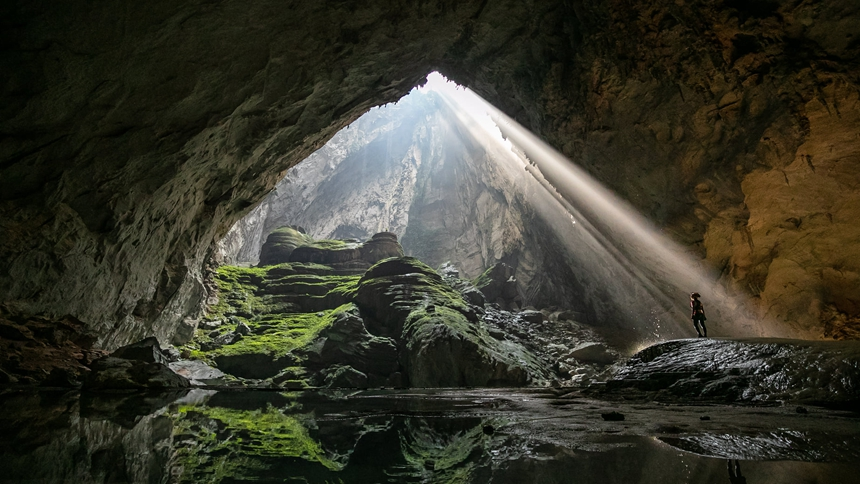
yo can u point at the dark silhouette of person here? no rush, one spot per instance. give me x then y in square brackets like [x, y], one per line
[698, 314]
[735, 476]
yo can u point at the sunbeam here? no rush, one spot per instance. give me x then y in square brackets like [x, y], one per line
[642, 276]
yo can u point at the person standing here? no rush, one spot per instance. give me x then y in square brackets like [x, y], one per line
[698, 314]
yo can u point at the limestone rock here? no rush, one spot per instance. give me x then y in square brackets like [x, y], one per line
[752, 370]
[147, 350]
[594, 353]
[115, 184]
[499, 286]
[113, 373]
[347, 342]
[345, 377]
[532, 316]
[381, 246]
[185, 331]
[444, 344]
[280, 245]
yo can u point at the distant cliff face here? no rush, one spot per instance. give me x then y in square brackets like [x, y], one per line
[413, 169]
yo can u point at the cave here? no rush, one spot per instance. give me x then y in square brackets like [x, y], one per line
[137, 139]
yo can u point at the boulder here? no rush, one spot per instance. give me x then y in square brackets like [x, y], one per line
[112, 373]
[444, 344]
[499, 286]
[381, 246]
[280, 245]
[344, 376]
[594, 353]
[140, 365]
[146, 350]
[532, 316]
[185, 331]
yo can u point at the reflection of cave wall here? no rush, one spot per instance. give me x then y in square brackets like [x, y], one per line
[128, 148]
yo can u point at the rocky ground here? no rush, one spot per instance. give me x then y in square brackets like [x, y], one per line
[317, 314]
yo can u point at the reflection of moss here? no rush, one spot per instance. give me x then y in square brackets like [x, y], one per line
[215, 443]
[449, 457]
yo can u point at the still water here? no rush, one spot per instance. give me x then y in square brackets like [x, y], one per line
[444, 436]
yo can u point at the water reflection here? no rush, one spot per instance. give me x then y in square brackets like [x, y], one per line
[367, 437]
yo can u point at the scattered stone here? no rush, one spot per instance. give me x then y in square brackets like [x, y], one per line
[612, 416]
[220, 340]
[185, 331]
[243, 329]
[802, 410]
[113, 373]
[593, 353]
[532, 316]
[171, 354]
[499, 286]
[147, 350]
[343, 376]
[197, 371]
[447, 269]
[210, 324]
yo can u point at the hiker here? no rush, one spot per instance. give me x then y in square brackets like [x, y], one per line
[698, 314]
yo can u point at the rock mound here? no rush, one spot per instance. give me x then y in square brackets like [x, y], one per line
[288, 244]
[445, 344]
[281, 243]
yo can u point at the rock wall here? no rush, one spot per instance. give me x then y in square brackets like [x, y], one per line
[135, 135]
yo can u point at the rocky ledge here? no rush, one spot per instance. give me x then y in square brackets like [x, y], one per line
[751, 371]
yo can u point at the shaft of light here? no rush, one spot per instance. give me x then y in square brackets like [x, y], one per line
[626, 253]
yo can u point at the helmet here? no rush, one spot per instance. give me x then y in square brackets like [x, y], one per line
[695, 294]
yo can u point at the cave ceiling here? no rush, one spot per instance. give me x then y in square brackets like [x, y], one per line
[133, 135]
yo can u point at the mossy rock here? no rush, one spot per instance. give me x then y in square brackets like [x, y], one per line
[281, 243]
[444, 342]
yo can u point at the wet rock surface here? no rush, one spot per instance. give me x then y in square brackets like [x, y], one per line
[744, 371]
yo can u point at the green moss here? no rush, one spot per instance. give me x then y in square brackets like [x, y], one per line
[232, 444]
[285, 332]
[448, 458]
[484, 279]
[330, 244]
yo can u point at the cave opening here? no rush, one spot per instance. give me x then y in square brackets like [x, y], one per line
[135, 134]
[461, 184]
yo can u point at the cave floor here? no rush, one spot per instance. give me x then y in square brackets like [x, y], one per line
[449, 435]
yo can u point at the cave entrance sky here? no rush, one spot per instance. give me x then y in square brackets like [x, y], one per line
[639, 277]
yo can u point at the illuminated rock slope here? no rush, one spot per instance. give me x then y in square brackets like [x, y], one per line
[745, 371]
